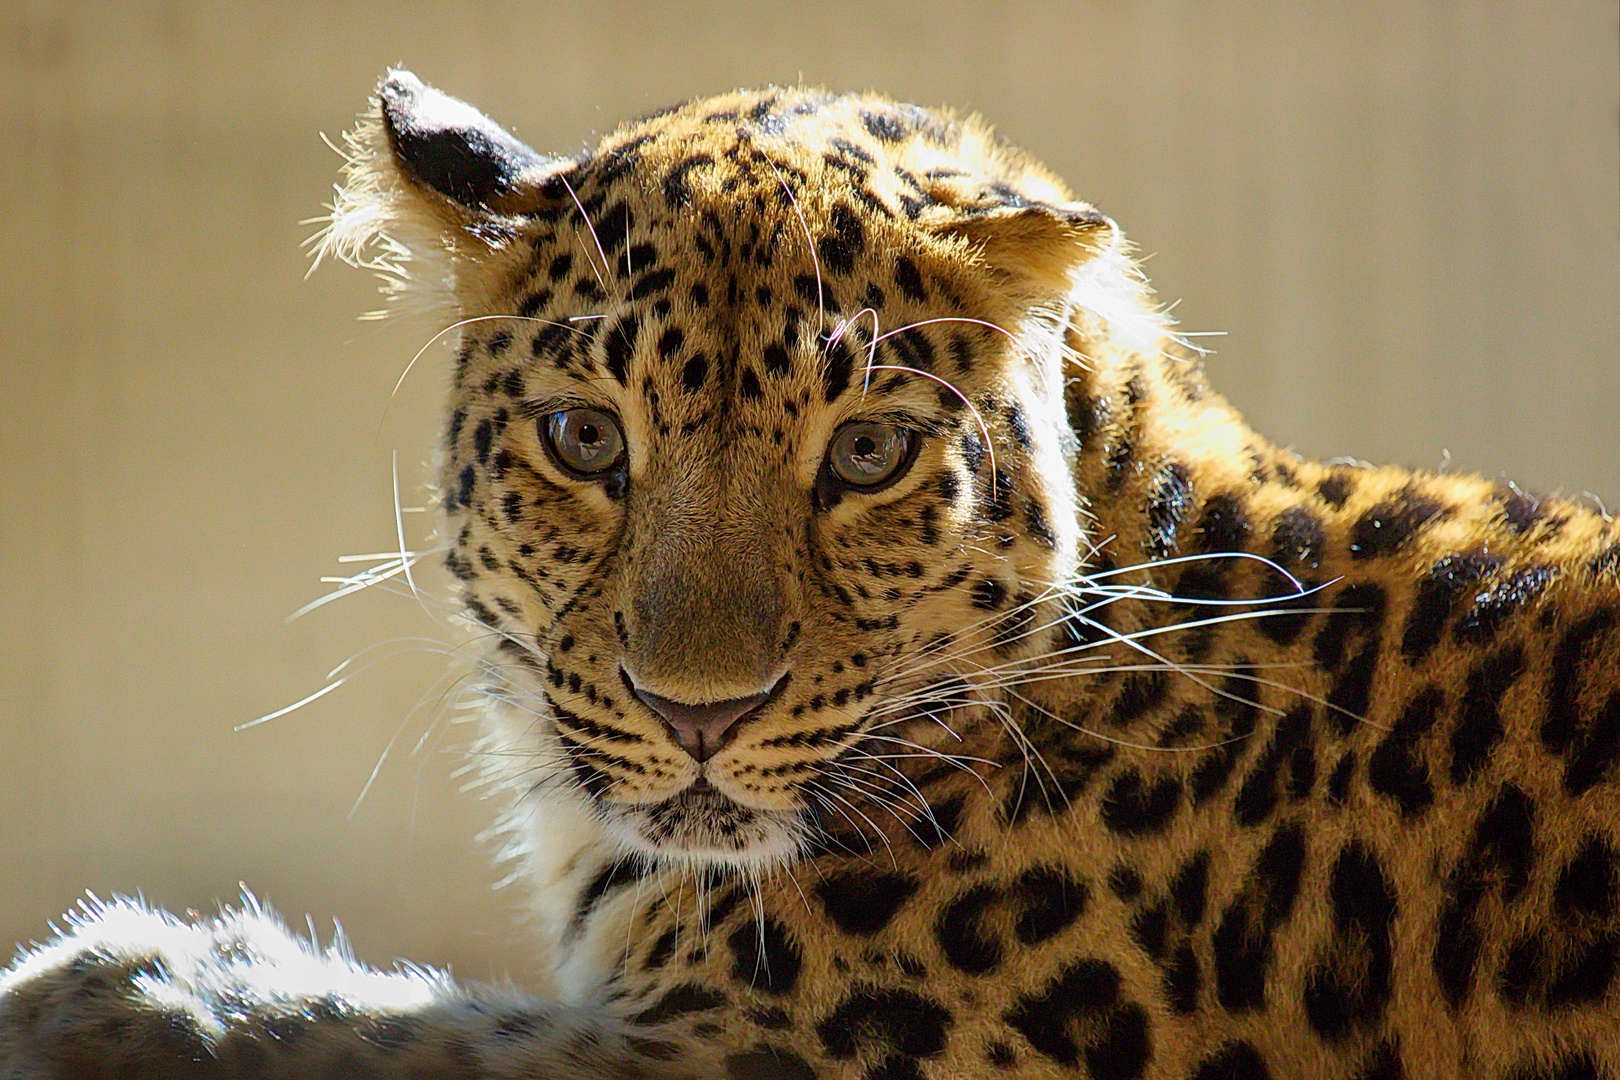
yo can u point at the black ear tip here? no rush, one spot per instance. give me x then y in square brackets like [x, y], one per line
[448, 145]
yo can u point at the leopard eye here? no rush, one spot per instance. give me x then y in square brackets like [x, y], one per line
[585, 443]
[869, 456]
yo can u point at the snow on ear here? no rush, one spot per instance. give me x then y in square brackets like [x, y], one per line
[428, 179]
[1040, 246]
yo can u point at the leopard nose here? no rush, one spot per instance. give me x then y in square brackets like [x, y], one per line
[701, 728]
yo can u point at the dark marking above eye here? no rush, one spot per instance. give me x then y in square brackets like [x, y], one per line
[620, 345]
[839, 366]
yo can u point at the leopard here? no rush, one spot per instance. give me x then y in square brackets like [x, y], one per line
[899, 662]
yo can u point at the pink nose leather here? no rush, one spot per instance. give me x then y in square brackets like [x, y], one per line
[701, 729]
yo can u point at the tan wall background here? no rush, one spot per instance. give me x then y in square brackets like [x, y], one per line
[1402, 213]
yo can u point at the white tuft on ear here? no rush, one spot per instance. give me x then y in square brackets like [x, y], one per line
[431, 190]
[374, 224]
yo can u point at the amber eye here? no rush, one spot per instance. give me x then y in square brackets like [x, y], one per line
[869, 456]
[585, 443]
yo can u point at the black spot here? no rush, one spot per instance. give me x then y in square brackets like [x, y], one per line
[694, 372]
[1519, 510]
[670, 341]
[1297, 538]
[1588, 885]
[1338, 785]
[989, 594]
[766, 956]
[1291, 748]
[885, 127]
[1383, 529]
[909, 280]
[776, 359]
[464, 485]
[621, 345]
[1125, 883]
[838, 365]
[1081, 1004]
[559, 267]
[939, 824]
[1493, 607]
[1051, 900]
[1436, 597]
[1234, 1061]
[1597, 750]
[961, 933]
[1139, 694]
[1479, 718]
[1181, 980]
[1223, 527]
[1134, 807]
[809, 288]
[847, 240]
[863, 901]
[1189, 889]
[748, 385]
[1035, 522]
[1239, 714]
[1242, 941]
[897, 1019]
[680, 1000]
[1169, 499]
[1396, 769]
[1499, 855]
[1350, 989]
[1358, 611]
[1335, 489]
[1564, 681]
[652, 282]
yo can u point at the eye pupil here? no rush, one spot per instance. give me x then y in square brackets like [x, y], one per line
[865, 447]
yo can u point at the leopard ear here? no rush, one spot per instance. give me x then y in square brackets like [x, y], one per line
[432, 182]
[452, 150]
[1041, 246]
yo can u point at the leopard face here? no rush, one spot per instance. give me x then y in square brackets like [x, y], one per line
[757, 460]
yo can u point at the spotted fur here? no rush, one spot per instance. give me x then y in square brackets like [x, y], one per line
[1108, 740]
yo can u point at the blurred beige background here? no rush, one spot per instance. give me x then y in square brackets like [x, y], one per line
[1402, 213]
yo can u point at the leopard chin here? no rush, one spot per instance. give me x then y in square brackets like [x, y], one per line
[702, 826]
